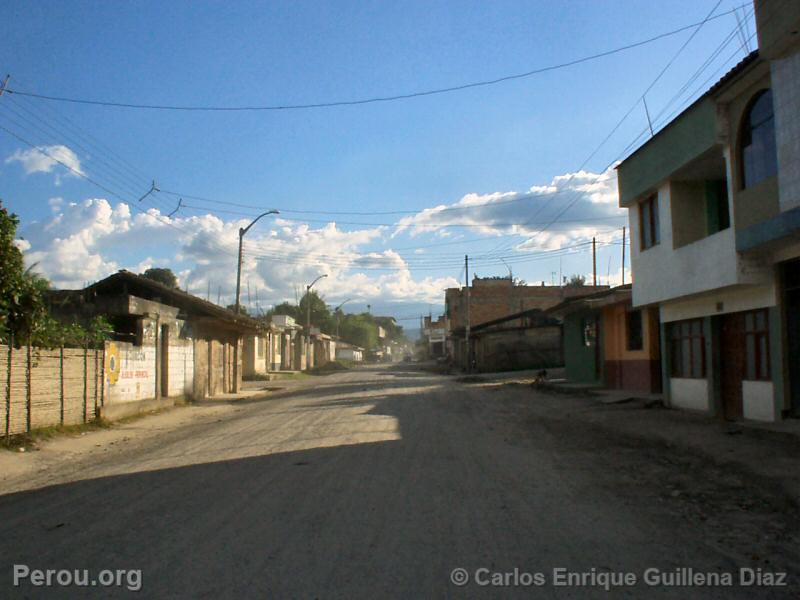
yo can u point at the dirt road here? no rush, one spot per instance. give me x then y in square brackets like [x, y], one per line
[379, 483]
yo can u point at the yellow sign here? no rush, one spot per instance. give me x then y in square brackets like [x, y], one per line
[112, 364]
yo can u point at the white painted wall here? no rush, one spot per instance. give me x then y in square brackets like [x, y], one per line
[664, 273]
[137, 375]
[181, 368]
[731, 299]
[690, 394]
[349, 354]
[758, 400]
[785, 75]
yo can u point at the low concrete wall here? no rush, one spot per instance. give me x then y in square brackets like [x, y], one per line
[758, 400]
[690, 394]
[113, 412]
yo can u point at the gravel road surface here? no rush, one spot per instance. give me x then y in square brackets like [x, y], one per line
[379, 482]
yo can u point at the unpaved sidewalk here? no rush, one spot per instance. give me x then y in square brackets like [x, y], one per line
[766, 450]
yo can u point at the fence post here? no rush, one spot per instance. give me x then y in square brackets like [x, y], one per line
[61, 383]
[94, 378]
[28, 387]
[103, 378]
[85, 381]
[8, 388]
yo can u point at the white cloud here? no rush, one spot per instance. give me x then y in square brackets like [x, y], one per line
[86, 241]
[45, 159]
[573, 207]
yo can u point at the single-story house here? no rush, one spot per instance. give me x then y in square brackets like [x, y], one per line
[349, 352]
[529, 339]
[167, 344]
[608, 342]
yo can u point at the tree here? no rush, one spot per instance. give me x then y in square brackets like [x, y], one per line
[21, 303]
[162, 275]
[576, 281]
[24, 317]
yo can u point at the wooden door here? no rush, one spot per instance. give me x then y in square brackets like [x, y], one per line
[732, 364]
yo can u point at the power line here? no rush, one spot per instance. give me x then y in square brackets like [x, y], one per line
[388, 98]
[504, 246]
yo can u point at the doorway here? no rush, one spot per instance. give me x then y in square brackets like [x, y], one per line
[732, 365]
[791, 291]
[164, 361]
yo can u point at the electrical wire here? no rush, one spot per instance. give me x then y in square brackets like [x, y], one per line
[388, 98]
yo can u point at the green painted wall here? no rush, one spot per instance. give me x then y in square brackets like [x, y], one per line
[683, 140]
[579, 359]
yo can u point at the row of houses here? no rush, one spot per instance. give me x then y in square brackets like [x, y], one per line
[283, 345]
[168, 345]
[712, 318]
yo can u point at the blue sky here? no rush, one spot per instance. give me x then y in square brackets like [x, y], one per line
[482, 145]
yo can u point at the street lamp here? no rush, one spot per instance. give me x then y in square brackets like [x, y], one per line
[242, 231]
[335, 311]
[308, 319]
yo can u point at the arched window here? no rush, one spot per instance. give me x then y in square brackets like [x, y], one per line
[758, 154]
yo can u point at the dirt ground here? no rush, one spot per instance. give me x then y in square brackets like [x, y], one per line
[382, 481]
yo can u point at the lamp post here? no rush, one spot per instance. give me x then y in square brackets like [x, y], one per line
[335, 311]
[242, 231]
[308, 319]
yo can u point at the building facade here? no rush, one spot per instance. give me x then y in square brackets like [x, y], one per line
[714, 210]
[608, 342]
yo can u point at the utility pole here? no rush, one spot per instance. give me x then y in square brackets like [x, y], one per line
[594, 263]
[208, 292]
[308, 320]
[466, 275]
[623, 256]
[219, 295]
[242, 232]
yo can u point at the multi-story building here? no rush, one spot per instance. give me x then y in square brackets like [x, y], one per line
[434, 334]
[714, 209]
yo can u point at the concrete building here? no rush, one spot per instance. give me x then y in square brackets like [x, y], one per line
[434, 336]
[714, 211]
[525, 340]
[607, 342]
[495, 298]
[277, 346]
[349, 352]
[324, 347]
[168, 345]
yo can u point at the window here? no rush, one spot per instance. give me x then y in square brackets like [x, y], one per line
[589, 329]
[648, 222]
[634, 330]
[717, 215]
[756, 339]
[687, 349]
[758, 155]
